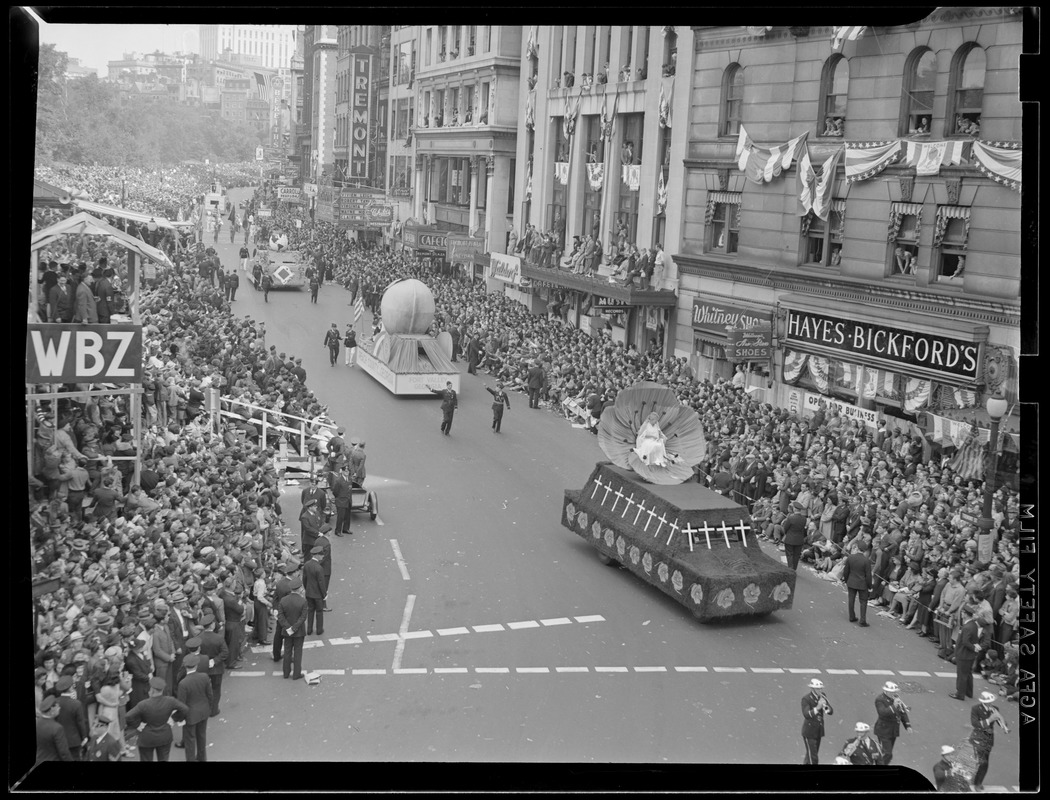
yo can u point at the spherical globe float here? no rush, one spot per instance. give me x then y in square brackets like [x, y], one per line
[407, 307]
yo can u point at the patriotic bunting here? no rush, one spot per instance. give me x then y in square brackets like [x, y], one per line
[561, 172]
[569, 120]
[661, 194]
[530, 110]
[850, 32]
[815, 193]
[595, 175]
[762, 165]
[666, 93]
[632, 176]
[818, 370]
[867, 159]
[1000, 161]
[916, 394]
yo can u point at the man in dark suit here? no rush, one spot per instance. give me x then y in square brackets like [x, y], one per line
[314, 587]
[195, 693]
[473, 354]
[71, 716]
[310, 520]
[325, 544]
[154, 711]
[449, 404]
[534, 380]
[967, 646]
[291, 618]
[341, 491]
[892, 715]
[179, 627]
[51, 742]
[814, 707]
[234, 612]
[280, 591]
[213, 646]
[314, 492]
[794, 535]
[857, 577]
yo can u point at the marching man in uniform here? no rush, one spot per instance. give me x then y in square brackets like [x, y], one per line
[983, 718]
[862, 750]
[945, 776]
[814, 706]
[892, 714]
[499, 400]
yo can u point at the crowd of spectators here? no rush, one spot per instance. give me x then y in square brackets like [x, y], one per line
[150, 562]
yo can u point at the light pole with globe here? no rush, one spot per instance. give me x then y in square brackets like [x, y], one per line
[996, 405]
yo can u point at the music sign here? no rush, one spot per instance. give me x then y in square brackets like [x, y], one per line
[83, 353]
[750, 344]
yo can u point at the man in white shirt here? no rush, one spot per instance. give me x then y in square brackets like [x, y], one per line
[658, 267]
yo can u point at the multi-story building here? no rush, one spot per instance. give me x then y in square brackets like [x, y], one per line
[321, 52]
[74, 69]
[131, 67]
[367, 41]
[890, 281]
[400, 144]
[272, 45]
[295, 104]
[616, 182]
[464, 133]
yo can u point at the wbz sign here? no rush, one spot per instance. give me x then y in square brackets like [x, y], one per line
[83, 353]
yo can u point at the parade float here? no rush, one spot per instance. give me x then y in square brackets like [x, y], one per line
[404, 357]
[638, 511]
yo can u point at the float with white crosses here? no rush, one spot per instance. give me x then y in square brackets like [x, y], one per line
[688, 541]
[286, 268]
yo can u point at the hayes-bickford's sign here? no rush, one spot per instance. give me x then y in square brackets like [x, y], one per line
[957, 358]
[83, 353]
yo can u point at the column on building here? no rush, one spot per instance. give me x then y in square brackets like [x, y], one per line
[611, 188]
[420, 187]
[577, 183]
[472, 220]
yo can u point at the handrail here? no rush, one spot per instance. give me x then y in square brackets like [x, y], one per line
[302, 430]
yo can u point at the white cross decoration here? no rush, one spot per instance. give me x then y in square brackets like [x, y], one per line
[630, 502]
[662, 519]
[641, 508]
[689, 530]
[743, 527]
[608, 488]
[619, 497]
[674, 530]
[597, 485]
[725, 531]
[652, 513]
[706, 531]
[283, 274]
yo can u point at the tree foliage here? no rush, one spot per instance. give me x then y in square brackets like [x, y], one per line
[85, 120]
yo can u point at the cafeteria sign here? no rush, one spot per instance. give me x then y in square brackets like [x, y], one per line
[58, 353]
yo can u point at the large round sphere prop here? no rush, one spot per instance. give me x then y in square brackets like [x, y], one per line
[407, 307]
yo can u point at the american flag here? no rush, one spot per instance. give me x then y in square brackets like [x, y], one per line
[850, 32]
[359, 309]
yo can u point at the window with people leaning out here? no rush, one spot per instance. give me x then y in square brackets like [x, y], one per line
[904, 247]
[822, 239]
[950, 258]
[723, 228]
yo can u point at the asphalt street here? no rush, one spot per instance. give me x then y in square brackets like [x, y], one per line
[469, 625]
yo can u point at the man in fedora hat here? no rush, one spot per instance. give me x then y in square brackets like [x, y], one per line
[794, 534]
[861, 749]
[892, 714]
[967, 646]
[155, 711]
[814, 706]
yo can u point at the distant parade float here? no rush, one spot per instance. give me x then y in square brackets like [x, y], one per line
[688, 541]
[404, 357]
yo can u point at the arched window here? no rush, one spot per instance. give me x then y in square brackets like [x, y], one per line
[732, 100]
[965, 91]
[920, 74]
[833, 89]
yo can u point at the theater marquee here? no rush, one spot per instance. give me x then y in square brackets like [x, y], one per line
[947, 356]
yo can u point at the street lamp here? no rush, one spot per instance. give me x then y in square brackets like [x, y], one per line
[151, 226]
[996, 407]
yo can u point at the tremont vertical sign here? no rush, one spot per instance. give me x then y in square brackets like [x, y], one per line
[360, 113]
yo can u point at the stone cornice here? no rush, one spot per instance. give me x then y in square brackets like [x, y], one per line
[958, 171]
[838, 289]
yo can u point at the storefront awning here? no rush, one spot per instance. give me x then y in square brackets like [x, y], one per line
[600, 286]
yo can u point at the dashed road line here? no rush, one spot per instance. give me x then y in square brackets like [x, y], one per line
[419, 635]
[383, 637]
[572, 669]
[330, 671]
[369, 672]
[918, 674]
[450, 670]
[532, 669]
[452, 631]
[245, 674]
[409, 671]
[877, 671]
[803, 671]
[690, 669]
[841, 671]
[314, 643]
[400, 559]
[650, 669]
[556, 621]
[491, 669]
[610, 669]
[488, 628]
[768, 670]
[351, 640]
[528, 623]
[945, 674]
[590, 618]
[730, 669]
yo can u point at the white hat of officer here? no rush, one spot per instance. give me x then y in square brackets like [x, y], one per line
[890, 686]
[816, 683]
[987, 697]
[862, 727]
[842, 761]
[946, 749]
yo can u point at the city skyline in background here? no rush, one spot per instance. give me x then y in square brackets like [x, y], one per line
[96, 45]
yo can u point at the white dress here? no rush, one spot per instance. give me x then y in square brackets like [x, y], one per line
[649, 445]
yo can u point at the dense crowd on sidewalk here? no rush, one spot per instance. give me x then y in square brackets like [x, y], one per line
[144, 570]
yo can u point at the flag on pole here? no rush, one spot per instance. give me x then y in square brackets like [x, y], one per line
[359, 308]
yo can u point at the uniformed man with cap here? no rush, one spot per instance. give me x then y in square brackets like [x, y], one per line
[316, 589]
[213, 646]
[195, 693]
[101, 745]
[291, 619]
[155, 711]
[281, 590]
[983, 718]
[814, 706]
[325, 544]
[51, 742]
[892, 714]
[861, 749]
[945, 776]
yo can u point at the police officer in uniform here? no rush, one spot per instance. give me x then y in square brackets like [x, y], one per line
[983, 718]
[944, 774]
[814, 706]
[862, 750]
[283, 588]
[449, 404]
[499, 400]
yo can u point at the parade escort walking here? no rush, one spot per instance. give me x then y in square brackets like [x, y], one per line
[499, 400]
[814, 706]
[449, 404]
[945, 775]
[350, 343]
[315, 590]
[291, 617]
[331, 341]
[861, 749]
[892, 714]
